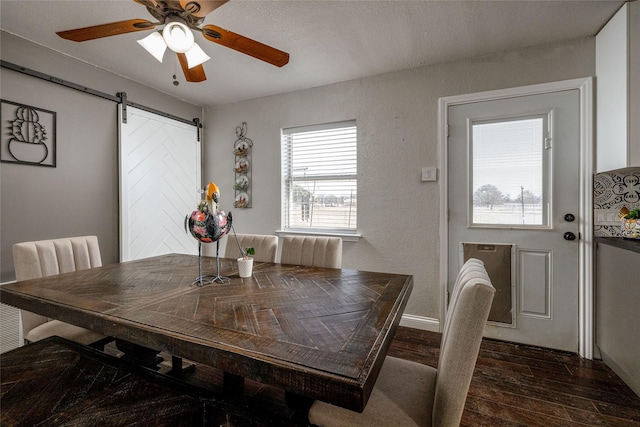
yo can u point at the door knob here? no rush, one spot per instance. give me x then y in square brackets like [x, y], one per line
[569, 217]
[569, 236]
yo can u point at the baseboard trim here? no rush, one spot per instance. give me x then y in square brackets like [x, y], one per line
[419, 322]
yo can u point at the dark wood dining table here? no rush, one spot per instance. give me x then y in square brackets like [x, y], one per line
[315, 332]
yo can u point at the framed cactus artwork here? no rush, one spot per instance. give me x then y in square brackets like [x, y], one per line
[27, 135]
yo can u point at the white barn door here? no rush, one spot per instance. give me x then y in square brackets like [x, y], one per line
[160, 178]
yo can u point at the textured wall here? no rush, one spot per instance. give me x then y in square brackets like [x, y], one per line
[397, 124]
[397, 119]
[80, 195]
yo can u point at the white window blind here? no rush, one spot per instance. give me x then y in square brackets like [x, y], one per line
[320, 186]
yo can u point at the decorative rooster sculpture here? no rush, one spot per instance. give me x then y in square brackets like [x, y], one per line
[209, 224]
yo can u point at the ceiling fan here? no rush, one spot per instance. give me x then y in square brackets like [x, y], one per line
[179, 17]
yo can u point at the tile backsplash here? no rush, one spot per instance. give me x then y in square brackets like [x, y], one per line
[611, 191]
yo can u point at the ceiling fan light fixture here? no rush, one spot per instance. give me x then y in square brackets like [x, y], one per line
[196, 56]
[178, 36]
[154, 44]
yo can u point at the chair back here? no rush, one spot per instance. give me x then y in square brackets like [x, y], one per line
[33, 260]
[468, 312]
[266, 246]
[469, 267]
[310, 250]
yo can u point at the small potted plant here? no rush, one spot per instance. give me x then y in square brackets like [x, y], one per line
[245, 262]
[630, 222]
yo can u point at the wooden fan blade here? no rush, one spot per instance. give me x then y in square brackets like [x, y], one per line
[245, 45]
[106, 30]
[195, 74]
[151, 3]
[201, 8]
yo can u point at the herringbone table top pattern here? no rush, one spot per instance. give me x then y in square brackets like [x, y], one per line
[318, 332]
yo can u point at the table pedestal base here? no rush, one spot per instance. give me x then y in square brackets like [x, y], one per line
[140, 355]
[178, 369]
[233, 386]
[149, 358]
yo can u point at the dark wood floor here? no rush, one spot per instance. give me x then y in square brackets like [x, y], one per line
[513, 385]
[517, 385]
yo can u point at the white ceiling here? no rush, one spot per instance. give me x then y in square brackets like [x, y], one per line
[329, 40]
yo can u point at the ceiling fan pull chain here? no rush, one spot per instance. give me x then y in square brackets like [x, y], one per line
[175, 67]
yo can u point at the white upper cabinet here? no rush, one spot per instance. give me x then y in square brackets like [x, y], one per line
[618, 90]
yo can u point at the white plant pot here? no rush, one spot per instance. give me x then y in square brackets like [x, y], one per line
[245, 267]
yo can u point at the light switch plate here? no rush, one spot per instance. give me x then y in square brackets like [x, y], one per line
[606, 217]
[429, 174]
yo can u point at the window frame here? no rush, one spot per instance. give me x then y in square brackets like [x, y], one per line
[289, 178]
[546, 169]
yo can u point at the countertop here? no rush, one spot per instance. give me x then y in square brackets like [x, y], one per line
[620, 242]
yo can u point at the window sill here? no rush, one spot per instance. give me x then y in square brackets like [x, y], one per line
[346, 237]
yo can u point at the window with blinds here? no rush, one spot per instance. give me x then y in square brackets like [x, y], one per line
[320, 185]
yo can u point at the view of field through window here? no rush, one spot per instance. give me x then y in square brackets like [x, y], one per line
[320, 177]
[508, 169]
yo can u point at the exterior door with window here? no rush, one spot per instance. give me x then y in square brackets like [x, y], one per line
[513, 175]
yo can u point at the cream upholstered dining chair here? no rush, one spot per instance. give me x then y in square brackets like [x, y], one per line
[266, 246]
[310, 250]
[33, 260]
[412, 394]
